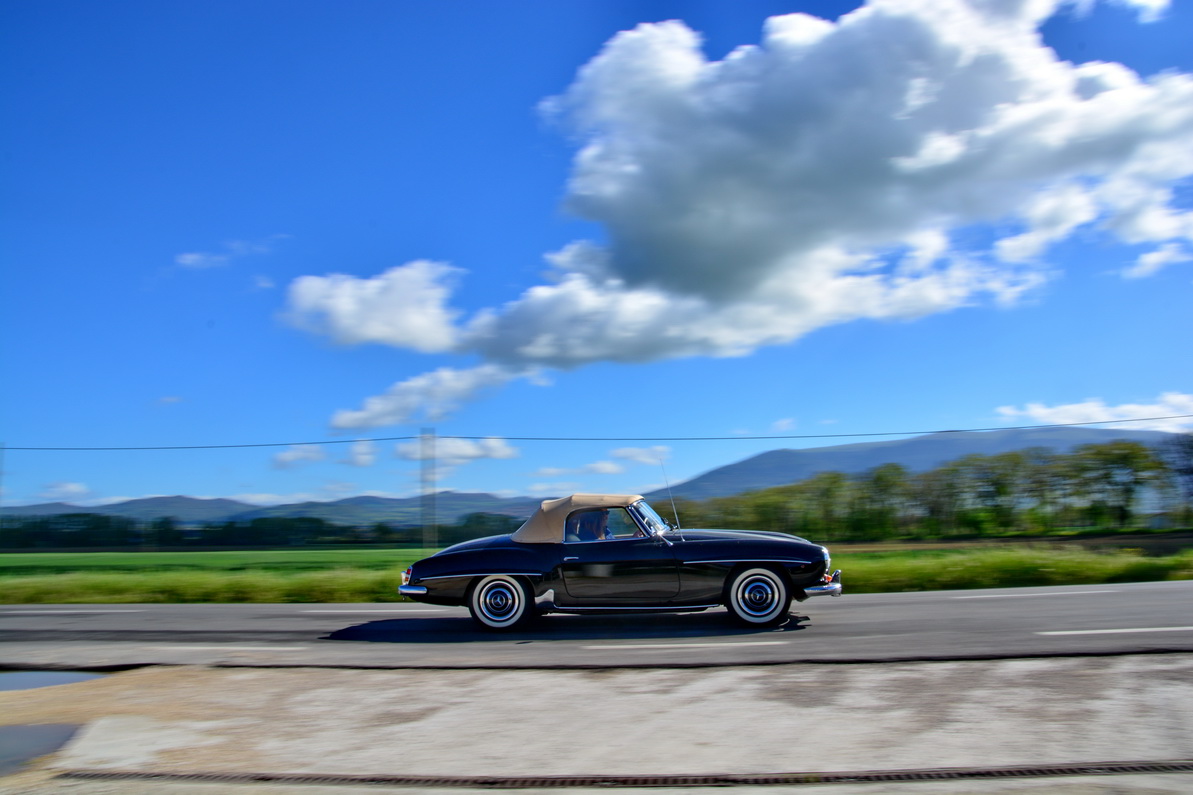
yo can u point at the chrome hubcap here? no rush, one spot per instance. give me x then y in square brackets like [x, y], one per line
[498, 601]
[758, 596]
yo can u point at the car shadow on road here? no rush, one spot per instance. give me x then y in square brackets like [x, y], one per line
[462, 629]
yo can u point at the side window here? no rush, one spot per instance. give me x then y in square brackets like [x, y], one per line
[621, 524]
[600, 525]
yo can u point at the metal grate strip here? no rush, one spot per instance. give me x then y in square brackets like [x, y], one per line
[716, 780]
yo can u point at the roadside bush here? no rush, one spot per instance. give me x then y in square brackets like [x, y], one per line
[1005, 568]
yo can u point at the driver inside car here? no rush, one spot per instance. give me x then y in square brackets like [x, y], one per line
[594, 526]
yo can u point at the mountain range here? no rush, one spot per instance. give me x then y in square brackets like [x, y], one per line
[918, 454]
[772, 468]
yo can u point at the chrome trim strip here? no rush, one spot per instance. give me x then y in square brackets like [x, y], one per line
[482, 574]
[750, 560]
[662, 608]
[412, 590]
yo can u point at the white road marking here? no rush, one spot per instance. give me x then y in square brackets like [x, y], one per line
[395, 610]
[227, 648]
[61, 612]
[1025, 595]
[1115, 631]
[689, 645]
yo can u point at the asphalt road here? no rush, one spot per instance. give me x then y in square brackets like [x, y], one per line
[937, 625]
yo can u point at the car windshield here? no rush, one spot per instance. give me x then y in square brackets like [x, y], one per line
[649, 519]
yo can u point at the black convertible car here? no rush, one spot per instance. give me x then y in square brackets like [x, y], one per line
[606, 553]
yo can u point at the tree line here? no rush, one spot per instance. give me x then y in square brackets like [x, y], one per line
[1033, 491]
[89, 530]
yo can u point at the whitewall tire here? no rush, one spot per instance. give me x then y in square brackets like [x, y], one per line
[758, 597]
[500, 601]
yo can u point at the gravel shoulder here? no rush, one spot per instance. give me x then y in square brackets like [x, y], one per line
[803, 717]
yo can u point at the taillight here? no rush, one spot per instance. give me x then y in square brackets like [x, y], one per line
[406, 575]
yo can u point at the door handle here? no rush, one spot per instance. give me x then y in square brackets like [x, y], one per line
[573, 557]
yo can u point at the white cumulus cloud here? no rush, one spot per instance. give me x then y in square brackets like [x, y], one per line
[452, 452]
[404, 307]
[446, 454]
[833, 172]
[1168, 404]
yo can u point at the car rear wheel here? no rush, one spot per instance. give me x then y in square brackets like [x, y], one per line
[758, 597]
[500, 601]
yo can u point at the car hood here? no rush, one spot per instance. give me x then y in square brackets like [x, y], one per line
[738, 535]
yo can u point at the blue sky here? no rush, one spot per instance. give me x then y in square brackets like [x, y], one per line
[273, 222]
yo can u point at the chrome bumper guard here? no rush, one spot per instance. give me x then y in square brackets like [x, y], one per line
[830, 588]
[412, 590]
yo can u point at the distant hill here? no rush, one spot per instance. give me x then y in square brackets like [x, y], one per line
[184, 509]
[919, 453]
[450, 507]
[774, 468]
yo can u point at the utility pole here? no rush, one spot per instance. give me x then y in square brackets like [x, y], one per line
[430, 523]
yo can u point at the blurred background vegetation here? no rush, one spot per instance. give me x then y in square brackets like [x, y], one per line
[1116, 486]
[1114, 512]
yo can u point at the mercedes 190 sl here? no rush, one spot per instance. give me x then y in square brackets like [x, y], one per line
[609, 553]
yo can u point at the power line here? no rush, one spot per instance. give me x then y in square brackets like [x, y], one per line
[602, 438]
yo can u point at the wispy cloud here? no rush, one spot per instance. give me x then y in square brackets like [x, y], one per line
[227, 252]
[595, 468]
[1152, 262]
[362, 453]
[651, 456]
[65, 491]
[1147, 11]
[1167, 404]
[430, 396]
[298, 455]
[556, 489]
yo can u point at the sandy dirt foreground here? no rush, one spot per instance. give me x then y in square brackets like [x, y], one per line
[622, 721]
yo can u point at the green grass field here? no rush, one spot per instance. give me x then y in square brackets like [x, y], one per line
[372, 575]
[275, 560]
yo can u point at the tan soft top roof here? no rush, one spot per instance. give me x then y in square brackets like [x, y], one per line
[546, 525]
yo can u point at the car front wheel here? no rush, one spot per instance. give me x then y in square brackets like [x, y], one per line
[758, 597]
[500, 601]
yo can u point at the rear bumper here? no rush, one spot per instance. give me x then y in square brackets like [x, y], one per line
[412, 590]
[831, 588]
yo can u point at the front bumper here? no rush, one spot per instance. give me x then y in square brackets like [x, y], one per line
[832, 587]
